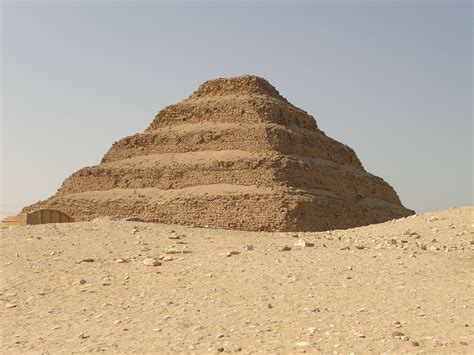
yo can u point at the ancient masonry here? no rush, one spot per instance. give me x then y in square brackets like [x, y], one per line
[235, 154]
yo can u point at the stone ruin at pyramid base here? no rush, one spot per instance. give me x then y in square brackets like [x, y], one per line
[237, 155]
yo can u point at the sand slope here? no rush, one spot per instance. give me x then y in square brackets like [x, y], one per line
[344, 294]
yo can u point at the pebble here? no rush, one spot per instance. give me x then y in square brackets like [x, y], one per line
[415, 343]
[302, 344]
[220, 336]
[311, 331]
[83, 335]
[120, 260]
[151, 262]
[285, 248]
[397, 334]
[87, 260]
[172, 251]
[249, 247]
[134, 230]
[232, 252]
[10, 305]
[82, 282]
[303, 243]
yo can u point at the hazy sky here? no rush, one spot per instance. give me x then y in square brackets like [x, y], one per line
[393, 80]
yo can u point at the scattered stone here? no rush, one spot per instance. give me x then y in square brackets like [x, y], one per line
[285, 248]
[172, 250]
[87, 260]
[232, 252]
[151, 262]
[83, 335]
[167, 258]
[302, 344]
[10, 305]
[397, 334]
[303, 244]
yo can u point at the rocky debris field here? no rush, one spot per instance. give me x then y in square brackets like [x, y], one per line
[121, 286]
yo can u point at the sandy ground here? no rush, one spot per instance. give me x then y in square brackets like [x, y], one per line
[400, 286]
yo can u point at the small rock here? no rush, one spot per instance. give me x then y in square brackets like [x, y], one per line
[151, 262]
[285, 248]
[303, 243]
[249, 247]
[302, 344]
[134, 230]
[83, 335]
[87, 260]
[397, 334]
[232, 252]
[10, 305]
[360, 247]
[404, 338]
[120, 260]
[311, 331]
[172, 251]
[415, 343]
[220, 336]
[82, 282]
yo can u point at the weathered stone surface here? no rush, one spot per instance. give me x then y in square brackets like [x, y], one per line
[235, 154]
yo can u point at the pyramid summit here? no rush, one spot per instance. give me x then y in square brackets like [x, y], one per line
[235, 154]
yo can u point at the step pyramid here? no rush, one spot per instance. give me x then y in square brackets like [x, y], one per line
[235, 154]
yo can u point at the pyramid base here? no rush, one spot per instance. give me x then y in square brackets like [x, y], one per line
[226, 206]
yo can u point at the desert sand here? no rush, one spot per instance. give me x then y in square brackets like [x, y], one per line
[401, 286]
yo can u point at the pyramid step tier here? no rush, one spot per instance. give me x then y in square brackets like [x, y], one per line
[179, 170]
[233, 109]
[213, 136]
[228, 206]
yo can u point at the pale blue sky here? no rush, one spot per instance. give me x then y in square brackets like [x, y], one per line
[393, 80]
